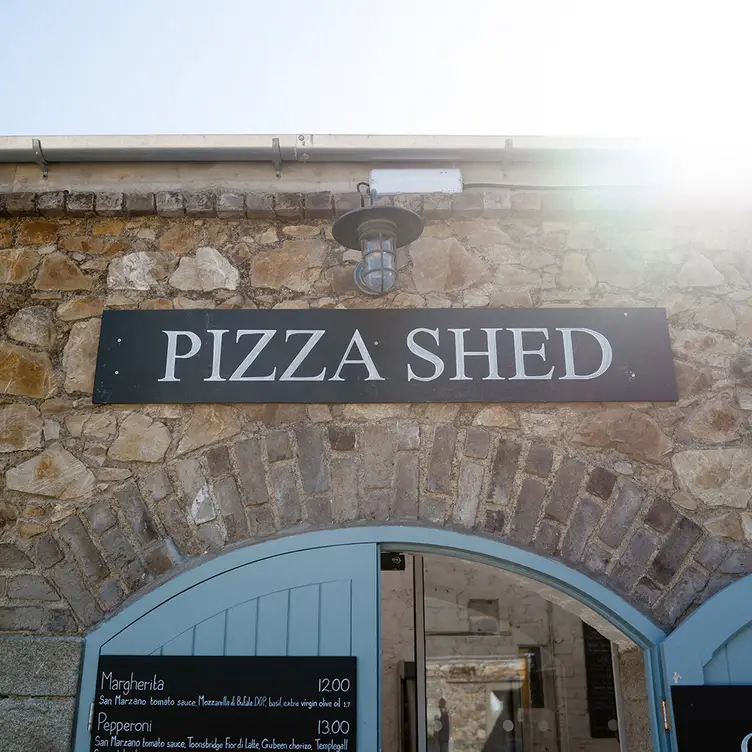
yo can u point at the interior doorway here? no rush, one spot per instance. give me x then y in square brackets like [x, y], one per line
[478, 659]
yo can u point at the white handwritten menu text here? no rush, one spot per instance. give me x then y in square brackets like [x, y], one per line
[220, 703]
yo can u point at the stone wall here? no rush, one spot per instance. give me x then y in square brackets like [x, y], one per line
[635, 721]
[38, 687]
[100, 503]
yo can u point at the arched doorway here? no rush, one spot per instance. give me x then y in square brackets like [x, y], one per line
[253, 600]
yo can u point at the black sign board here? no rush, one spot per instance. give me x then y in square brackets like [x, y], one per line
[304, 704]
[599, 675]
[716, 718]
[446, 355]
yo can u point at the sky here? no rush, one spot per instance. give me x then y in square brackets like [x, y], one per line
[487, 67]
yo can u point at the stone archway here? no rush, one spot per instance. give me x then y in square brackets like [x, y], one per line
[192, 481]
[549, 580]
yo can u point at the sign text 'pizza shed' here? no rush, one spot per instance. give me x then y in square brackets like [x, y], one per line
[479, 355]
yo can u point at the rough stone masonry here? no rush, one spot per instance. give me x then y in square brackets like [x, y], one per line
[99, 504]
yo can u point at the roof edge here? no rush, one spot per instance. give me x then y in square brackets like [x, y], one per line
[308, 148]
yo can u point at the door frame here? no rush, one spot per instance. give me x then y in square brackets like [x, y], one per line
[415, 539]
[688, 649]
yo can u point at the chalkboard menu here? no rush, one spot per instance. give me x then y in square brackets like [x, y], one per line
[599, 673]
[223, 703]
[713, 718]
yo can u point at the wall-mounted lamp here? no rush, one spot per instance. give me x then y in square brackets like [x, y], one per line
[378, 231]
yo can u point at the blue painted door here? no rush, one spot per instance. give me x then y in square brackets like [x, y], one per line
[320, 601]
[714, 645]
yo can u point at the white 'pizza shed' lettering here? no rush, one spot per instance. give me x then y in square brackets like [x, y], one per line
[182, 345]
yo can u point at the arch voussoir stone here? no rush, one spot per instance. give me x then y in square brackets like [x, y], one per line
[283, 472]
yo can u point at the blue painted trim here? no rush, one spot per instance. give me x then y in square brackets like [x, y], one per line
[600, 599]
[691, 645]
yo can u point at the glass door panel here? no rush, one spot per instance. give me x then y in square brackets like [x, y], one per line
[509, 670]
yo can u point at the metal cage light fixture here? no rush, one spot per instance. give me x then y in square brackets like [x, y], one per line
[377, 231]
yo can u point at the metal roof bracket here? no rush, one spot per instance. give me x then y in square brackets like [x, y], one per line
[277, 157]
[36, 148]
